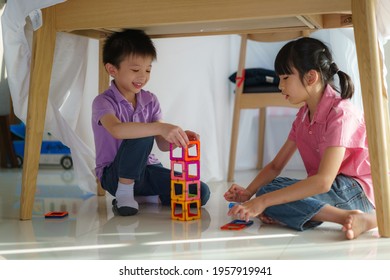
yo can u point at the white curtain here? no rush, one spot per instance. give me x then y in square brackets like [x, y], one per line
[69, 84]
[190, 77]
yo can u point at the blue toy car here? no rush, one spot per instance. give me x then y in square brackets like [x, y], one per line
[52, 151]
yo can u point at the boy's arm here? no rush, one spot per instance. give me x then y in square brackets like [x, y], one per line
[128, 130]
[164, 145]
[131, 130]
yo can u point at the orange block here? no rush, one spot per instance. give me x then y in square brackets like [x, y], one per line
[186, 194]
[182, 210]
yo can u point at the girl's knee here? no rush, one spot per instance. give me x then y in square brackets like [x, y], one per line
[266, 189]
[277, 184]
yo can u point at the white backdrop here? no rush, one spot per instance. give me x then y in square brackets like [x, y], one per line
[190, 77]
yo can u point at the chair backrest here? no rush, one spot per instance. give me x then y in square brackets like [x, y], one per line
[261, 99]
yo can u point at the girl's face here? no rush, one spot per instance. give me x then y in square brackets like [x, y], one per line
[292, 88]
[133, 73]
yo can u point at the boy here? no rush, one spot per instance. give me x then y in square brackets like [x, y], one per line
[126, 120]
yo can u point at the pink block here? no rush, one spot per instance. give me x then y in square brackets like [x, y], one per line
[189, 170]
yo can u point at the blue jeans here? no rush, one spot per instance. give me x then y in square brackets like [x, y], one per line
[131, 162]
[345, 193]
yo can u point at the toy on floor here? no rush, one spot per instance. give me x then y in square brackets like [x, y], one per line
[232, 204]
[56, 215]
[185, 182]
[237, 225]
[52, 151]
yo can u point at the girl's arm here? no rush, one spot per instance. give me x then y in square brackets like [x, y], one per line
[274, 168]
[131, 130]
[266, 175]
[316, 184]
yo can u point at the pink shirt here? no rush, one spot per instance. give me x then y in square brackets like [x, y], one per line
[336, 123]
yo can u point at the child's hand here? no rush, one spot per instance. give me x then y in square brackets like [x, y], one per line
[249, 209]
[174, 134]
[192, 135]
[237, 193]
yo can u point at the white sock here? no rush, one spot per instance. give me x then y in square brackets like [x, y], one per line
[154, 199]
[125, 196]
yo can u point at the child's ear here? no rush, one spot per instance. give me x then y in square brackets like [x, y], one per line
[312, 77]
[111, 69]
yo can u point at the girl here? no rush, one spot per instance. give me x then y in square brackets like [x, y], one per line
[330, 135]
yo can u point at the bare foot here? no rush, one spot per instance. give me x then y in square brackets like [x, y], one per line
[267, 220]
[357, 223]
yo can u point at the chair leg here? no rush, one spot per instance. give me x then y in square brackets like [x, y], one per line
[7, 153]
[233, 144]
[260, 151]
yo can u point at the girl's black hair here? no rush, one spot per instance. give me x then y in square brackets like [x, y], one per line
[120, 45]
[307, 54]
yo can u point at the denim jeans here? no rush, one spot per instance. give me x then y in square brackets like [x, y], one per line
[131, 163]
[345, 193]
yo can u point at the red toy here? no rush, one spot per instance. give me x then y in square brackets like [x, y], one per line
[56, 215]
[237, 225]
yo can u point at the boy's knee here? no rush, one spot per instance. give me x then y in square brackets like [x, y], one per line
[139, 143]
[204, 193]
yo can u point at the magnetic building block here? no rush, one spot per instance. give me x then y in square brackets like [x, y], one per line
[191, 152]
[185, 190]
[185, 184]
[185, 170]
[185, 210]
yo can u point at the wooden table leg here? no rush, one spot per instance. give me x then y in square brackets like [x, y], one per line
[41, 68]
[236, 113]
[375, 105]
[104, 81]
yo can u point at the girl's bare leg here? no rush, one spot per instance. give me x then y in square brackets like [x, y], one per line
[354, 222]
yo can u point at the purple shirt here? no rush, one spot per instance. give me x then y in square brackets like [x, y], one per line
[336, 123]
[112, 102]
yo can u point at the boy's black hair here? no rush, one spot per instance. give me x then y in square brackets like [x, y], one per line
[120, 45]
[307, 54]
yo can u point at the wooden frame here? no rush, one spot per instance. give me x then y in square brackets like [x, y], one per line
[209, 17]
[251, 100]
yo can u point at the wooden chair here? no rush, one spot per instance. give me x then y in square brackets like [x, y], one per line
[255, 100]
[7, 153]
[7, 117]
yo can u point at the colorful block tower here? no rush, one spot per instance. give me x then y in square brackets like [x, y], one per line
[185, 182]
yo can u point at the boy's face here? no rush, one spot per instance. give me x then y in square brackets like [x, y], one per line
[133, 73]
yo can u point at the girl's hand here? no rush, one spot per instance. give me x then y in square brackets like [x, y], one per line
[237, 193]
[249, 209]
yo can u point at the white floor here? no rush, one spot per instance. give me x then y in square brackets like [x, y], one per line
[92, 232]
